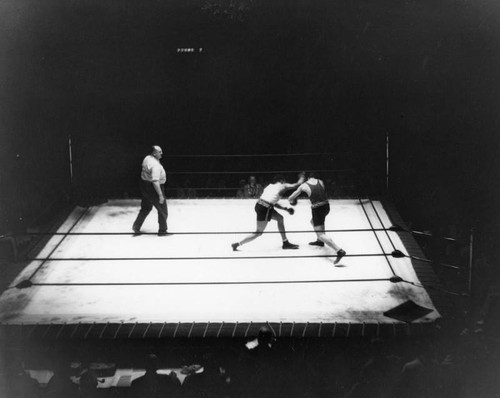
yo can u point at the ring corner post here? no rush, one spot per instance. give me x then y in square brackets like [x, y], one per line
[471, 261]
[387, 159]
[70, 165]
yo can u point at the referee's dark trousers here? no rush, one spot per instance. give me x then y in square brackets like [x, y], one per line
[150, 199]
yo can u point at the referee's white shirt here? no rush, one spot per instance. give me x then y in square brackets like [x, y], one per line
[152, 170]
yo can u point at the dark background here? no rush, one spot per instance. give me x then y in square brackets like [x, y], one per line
[272, 77]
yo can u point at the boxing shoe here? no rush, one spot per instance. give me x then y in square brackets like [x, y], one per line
[288, 245]
[317, 243]
[341, 253]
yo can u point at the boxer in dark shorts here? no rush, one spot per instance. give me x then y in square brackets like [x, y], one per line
[266, 212]
[315, 189]
[319, 214]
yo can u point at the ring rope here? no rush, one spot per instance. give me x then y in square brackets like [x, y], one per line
[419, 285]
[376, 236]
[212, 283]
[257, 172]
[436, 263]
[251, 155]
[196, 232]
[43, 259]
[229, 258]
[214, 188]
[392, 228]
[382, 224]
[197, 258]
[439, 289]
[241, 283]
[58, 244]
[440, 237]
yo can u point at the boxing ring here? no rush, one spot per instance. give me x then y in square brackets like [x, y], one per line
[94, 279]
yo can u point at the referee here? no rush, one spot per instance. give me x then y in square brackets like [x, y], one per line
[152, 185]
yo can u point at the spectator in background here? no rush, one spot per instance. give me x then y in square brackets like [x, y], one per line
[265, 366]
[252, 189]
[154, 385]
[210, 187]
[185, 191]
[60, 385]
[19, 384]
[378, 374]
[413, 379]
[189, 191]
[330, 187]
[265, 340]
[221, 189]
[88, 385]
[209, 380]
[240, 194]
